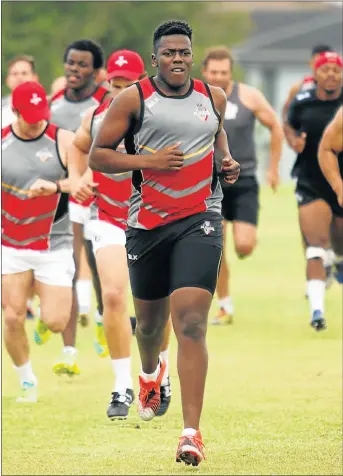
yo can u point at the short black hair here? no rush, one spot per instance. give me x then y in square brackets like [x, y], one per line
[321, 49]
[87, 45]
[172, 27]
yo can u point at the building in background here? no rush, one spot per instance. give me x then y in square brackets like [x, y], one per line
[277, 51]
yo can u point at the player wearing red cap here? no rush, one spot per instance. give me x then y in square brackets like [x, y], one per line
[36, 231]
[309, 114]
[106, 228]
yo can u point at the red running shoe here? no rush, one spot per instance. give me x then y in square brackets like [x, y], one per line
[190, 450]
[149, 395]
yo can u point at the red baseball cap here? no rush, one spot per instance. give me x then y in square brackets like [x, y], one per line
[125, 64]
[30, 100]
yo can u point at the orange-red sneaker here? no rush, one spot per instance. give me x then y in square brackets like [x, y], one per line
[190, 450]
[149, 395]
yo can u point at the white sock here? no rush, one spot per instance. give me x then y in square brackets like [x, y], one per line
[329, 258]
[26, 374]
[316, 294]
[122, 372]
[98, 317]
[151, 377]
[189, 432]
[164, 355]
[226, 304]
[84, 295]
[69, 349]
[29, 303]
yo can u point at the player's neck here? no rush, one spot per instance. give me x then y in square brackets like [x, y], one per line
[28, 134]
[324, 96]
[229, 89]
[79, 94]
[168, 90]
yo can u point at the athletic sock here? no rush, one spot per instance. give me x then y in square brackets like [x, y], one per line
[226, 304]
[189, 432]
[84, 295]
[151, 377]
[122, 372]
[98, 317]
[316, 294]
[26, 374]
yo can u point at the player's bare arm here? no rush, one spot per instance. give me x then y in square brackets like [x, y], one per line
[267, 116]
[44, 187]
[122, 113]
[330, 145]
[231, 168]
[286, 126]
[80, 176]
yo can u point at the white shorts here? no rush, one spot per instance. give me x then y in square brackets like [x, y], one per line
[102, 234]
[78, 213]
[49, 267]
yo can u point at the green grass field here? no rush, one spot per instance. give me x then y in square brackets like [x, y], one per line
[273, 402]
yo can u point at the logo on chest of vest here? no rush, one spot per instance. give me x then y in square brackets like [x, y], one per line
[201, 112]
[44, 154]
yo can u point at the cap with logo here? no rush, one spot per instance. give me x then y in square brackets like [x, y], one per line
[125, 64]
[30, 100]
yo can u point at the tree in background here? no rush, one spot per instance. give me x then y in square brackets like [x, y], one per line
[44, 29]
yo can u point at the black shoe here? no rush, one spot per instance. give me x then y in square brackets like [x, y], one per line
[120, 404]
[29, 313]
[165, 398]
[318, 322]
[133, 325]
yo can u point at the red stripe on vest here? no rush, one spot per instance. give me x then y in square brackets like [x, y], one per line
[102, 107]
[40, 245]
[5, 131]
[119, 191]
[147, 88]
[103, 216]
[29, 207]
[186, 177]
[199, 87]
[51, 132]
[58, 95]
[100, 93]
[23, 232]
[85, 204]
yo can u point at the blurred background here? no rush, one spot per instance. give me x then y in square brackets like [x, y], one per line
[271, 41]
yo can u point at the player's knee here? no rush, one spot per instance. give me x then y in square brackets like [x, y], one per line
[113, 298]
[14, 319]
[193, 325]
[245, 248]
[149, 327]
[58, 326]
[316, 253]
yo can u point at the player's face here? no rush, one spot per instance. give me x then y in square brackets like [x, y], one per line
[19, 73]
[118, 84]
[79, 70]
[218, 73]
[30, 130]
[329, 77]
[174, 59]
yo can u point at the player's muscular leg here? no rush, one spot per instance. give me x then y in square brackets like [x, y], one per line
[224, 274]
[15, 291]
[245, 238]
[95, 275]
[315, 219]
[166, 335]
[112, 266]
[189, 310]
[152, 317]
[56, 305]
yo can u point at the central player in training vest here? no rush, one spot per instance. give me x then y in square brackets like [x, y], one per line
[174, 239]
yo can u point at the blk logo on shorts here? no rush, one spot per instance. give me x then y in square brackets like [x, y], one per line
[132, 257]
[207, 227]
[299, 197]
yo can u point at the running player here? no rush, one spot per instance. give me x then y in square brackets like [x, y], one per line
[36, 232]
[174, 240]
[61, 81]
[309, 114]
[305, 84]
[331, 163]
[82, 61]
[20, 69]
[240, 204]
[106, 227]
